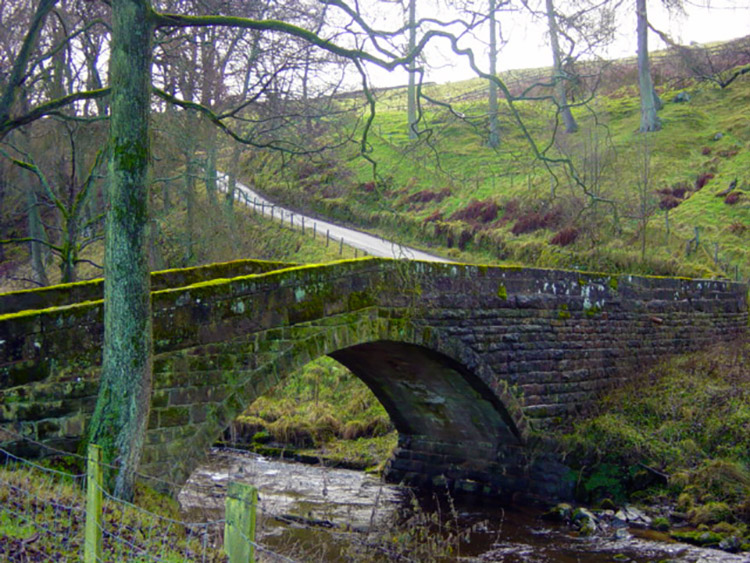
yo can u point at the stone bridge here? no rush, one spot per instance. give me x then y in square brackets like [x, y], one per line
[472, 363]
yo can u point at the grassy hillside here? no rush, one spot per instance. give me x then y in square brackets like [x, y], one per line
[450, 191]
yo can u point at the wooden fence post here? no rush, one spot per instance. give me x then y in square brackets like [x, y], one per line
[239, 514]
[92, 547]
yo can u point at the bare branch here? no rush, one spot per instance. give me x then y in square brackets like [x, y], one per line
[49, 108]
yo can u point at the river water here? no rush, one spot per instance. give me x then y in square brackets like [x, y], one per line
[315, 513]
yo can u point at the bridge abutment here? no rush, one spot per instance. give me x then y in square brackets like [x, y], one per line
[479, 469]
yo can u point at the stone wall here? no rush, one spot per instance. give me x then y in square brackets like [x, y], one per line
[472, 363]
[93, 290]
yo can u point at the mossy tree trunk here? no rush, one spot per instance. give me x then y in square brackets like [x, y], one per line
[121, 415]
[649, 102]
[36, 232]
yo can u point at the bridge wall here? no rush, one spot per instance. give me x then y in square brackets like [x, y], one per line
[531, 347]
[93, 290]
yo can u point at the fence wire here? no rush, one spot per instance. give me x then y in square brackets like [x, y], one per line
[43, 516]
[40, 524]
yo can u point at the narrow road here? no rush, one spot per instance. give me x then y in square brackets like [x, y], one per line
[372, 245]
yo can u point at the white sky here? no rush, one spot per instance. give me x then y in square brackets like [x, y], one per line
[527, 48]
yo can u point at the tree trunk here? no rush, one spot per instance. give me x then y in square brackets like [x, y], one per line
[411, 94]
[36, 231]
[494, 139]
[234, 166]
[649, 119]
[210, 171]
[121, 414]
[190, 210]
[561, 95]
[3, 192]
[70, 251]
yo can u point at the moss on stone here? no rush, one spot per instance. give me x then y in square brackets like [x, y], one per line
[593, 311]
[502, 292]
[78, 309]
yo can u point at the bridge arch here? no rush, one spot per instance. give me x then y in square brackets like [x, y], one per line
[448, 405]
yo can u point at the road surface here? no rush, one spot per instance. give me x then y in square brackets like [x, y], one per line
[372, 245]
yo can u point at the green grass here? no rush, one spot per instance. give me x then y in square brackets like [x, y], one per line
[688, 419]
[608, 153]
[321, 411]
[42, 517]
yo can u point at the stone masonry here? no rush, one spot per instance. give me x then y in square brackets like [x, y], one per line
[473, 364]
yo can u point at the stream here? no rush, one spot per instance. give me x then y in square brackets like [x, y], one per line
[315, 513]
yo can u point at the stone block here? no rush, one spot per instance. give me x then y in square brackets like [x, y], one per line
[174, 416]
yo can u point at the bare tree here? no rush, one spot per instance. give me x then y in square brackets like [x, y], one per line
[649, 101]
[561, 95]
[494, 138]
[411, 91]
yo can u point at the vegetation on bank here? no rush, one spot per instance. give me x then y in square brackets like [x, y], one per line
[43, 514]
[320, 413]
[676, 439]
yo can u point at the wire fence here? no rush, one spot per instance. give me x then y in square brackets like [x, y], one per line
[287, 219]
[49, 511]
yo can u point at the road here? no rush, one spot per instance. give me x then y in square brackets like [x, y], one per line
[372, 245]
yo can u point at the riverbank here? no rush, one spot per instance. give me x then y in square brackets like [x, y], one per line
[675, 442]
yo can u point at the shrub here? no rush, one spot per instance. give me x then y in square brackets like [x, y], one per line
[732, 198]
[710, 513]
[464, 238]
[511, 210]
[720, 479]
[669, 202]
[477, 212]
[705, 151]
[527, 224]
[565, 237]
[434, 216]
[426, 196]
[680, 190]
[728, 153]
[702, 180]
[536, 220]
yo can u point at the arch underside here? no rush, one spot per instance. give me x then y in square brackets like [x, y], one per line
[426, 393]
[452, 423]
